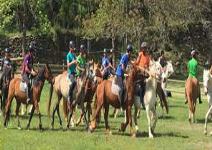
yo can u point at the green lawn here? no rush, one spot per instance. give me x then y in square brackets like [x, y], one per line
[173, 132]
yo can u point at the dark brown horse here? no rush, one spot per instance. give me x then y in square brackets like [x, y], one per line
[105, 97]
[9, 75]
[15, 91]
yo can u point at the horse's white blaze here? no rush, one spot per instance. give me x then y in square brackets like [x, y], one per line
[207, 82]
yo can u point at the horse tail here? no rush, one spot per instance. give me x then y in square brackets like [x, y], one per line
[50, 98]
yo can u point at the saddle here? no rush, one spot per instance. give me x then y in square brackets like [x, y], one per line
[23, 85]
[115, 88]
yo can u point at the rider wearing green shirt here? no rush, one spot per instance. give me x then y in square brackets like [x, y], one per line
[81, 61]
[71, 65]
[192, 69]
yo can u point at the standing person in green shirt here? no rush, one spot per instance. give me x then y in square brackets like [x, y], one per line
[192, 69]
[81, 62]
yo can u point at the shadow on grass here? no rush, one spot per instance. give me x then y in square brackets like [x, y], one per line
[167, 117]
[178, 106]
[168, 134]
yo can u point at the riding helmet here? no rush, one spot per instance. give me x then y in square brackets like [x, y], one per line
[31, 48]
[6, 50]
[82, 47]
[129, 47]
[71, 44]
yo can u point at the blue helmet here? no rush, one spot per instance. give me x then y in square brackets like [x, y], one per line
[71, 44]
[129, 47]
[6, 50]
[82, 47]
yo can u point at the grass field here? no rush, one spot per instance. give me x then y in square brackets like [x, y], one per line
[173, 132]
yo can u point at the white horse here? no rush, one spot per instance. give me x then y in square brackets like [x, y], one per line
[207, 82]
[155, 71]
[165, 75]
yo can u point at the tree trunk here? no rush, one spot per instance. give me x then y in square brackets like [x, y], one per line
[23, 46]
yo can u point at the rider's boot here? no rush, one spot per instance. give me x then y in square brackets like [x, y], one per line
[28, 90]
[70, 93]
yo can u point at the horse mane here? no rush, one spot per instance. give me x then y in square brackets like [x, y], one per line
[39, 76]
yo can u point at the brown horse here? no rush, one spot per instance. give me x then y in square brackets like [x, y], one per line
[105, 97]
[192, 92]
[15, 91]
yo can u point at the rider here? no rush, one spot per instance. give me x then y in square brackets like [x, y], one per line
[121, 69]
[28, 71]
[71, 64]
[192, 68]
[143, 61]
[106, 66]
[6, 63]
[81, 61]
[162, 60]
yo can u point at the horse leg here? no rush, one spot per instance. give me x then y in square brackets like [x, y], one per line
[80, 119]
[106, 119]
[30, 118]
[149, 122]
[17, 113]
[135, 120]
[60, 120]
[7, 109]
[65, 109]
[39, 114]
[156, 118]
[206, 119]
[56, 107]
[138, 113]
[96, 115]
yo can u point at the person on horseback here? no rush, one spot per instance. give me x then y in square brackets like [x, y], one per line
[6, 63]
[121, 69]
[81, 62]
[162, 60]
[192, 69]
[107, 66]
[71, 64]
[28, 71]
[143, 61]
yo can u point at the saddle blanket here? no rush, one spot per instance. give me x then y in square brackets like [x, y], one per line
[115, 88]
[23, 86]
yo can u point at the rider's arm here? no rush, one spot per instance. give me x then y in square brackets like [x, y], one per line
[138, 59]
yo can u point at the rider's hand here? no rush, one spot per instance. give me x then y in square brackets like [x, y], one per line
[33, 73]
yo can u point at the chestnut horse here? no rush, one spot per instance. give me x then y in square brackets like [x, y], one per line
[15, 91]
[192, 92]
[105, 97]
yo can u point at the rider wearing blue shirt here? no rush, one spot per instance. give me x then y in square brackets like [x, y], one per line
[71, 64]
[106, 66]
[121, 69]
[5, 64]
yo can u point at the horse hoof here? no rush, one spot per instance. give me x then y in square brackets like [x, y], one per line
[19, 128]
[205, 132]
[151, 137]
[211, 133]
[133, 136]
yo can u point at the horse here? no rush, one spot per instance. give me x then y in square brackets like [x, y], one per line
[14, 91]
[207, 82]
[9, 75]
[61, 88]
[105, 97]
[165, 75]
[192, 92]
[155, 71]
[90, 89]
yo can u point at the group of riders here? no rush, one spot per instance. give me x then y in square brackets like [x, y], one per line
[76, 66]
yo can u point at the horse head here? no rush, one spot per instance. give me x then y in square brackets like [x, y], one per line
[48, 73]
[155, 69]
[138, 73]
[169, 68]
